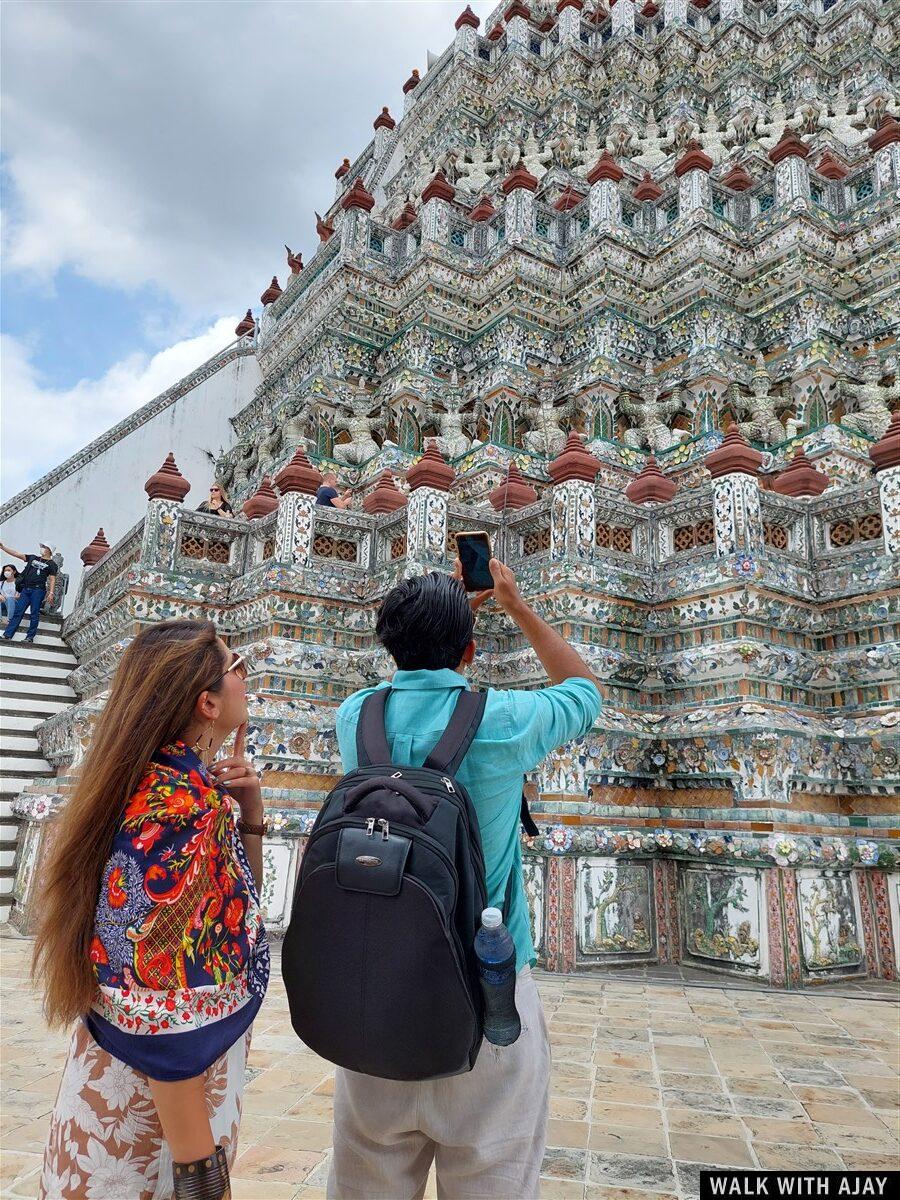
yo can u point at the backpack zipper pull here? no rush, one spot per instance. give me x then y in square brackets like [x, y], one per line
[397, 775]
[448, 784]
[370, 827]
[385, 829]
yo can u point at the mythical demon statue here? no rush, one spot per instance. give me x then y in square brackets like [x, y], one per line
[359, 425]
[764, 424]
[866, 403]
[454, 441]
[650, 415]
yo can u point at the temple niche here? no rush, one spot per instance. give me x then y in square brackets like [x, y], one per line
[629, 306]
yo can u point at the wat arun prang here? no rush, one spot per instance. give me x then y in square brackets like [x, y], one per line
[620, 288]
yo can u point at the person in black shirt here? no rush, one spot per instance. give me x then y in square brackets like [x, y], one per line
[217, 504]
[36, 583]
[327, 495]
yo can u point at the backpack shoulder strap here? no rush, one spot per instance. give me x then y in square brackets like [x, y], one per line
[457, 737]
[371, 740]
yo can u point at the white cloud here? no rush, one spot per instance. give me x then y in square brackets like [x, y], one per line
[42, 426]
[181, 144]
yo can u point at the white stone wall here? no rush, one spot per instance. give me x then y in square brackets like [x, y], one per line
[103, 485]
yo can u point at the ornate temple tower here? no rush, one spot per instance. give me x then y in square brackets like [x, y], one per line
[619, 287]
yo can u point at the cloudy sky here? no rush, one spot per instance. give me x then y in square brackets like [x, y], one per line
[156, 156]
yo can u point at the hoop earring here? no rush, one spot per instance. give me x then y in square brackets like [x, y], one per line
[201, 751]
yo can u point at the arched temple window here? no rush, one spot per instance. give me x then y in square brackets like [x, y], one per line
[604, 423]
[817, 412]
[324, 439]
[705, 416]
[410, 438]
[503, 425]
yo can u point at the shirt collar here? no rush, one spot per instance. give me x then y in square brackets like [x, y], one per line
[426, 681]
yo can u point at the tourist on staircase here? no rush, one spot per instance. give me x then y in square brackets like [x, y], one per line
[485, 1129]
[36, 586]
[151, 936]
[9, 591]
[217, 504]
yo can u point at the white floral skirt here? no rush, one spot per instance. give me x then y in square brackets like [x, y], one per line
[106, 1142]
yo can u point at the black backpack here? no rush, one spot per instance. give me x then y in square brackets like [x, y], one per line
[378, 958]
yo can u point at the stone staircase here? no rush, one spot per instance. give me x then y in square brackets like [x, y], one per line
[33, 686]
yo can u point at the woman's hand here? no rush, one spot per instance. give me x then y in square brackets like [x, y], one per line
[239, 778]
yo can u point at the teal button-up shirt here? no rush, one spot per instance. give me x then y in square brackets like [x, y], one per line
[519, 728]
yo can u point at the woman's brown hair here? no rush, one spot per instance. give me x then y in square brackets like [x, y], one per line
[151, 703]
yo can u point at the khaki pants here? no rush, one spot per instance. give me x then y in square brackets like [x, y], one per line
[485, 1130]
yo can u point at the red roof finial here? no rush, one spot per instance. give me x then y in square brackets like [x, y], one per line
[245, 325]
[800, 478]
[650, 486]
[358, 197]
[342, 169]
[294, 261]
[384, 120]
[886, 134]
[574, 462]
[299, 475]
[694, 159]
[568, 199]
[647, 189]
[790, 146]
[738, 179]
[385, 496]
[95, 550]
[406, 218]
[831, 167]
[483, 210]
[605, 167]
[262, 502]
[517, 9]
[734, 456]
[495, 34]
[521, 177]
[432, 470]
[467, 17]
[167, 483]
[272, 292]
[438, 189]
[513, 492]
[412, 82]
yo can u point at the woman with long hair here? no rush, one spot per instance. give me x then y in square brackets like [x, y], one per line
[151, 936]
[218, 503]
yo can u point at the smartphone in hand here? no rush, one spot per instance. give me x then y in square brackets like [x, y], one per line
[474, 551]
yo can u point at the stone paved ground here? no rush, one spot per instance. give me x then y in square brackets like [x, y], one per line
[650, 1080]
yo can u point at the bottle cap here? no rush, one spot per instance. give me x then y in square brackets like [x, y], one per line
[491, 918]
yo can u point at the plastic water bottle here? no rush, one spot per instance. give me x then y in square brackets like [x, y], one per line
[496, 953]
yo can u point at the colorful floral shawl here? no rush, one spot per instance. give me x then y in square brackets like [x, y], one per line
[179, 949]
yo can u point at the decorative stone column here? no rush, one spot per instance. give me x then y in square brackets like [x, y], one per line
[167, 489]
[674, 12]
[623, 17]
[885, 454]
[519, 188]
[384, 125]
[429, 482]
[791, 170]
[734, 467]
[605, 200]
[435, 212]
[569, 23]
[298, 483]
[357, 203]
[517, 17]
[466, 25]
[573, 531]
[885, 145]
[694, 190]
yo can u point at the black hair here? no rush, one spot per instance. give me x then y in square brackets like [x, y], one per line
[425, 623]
[14, 567]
